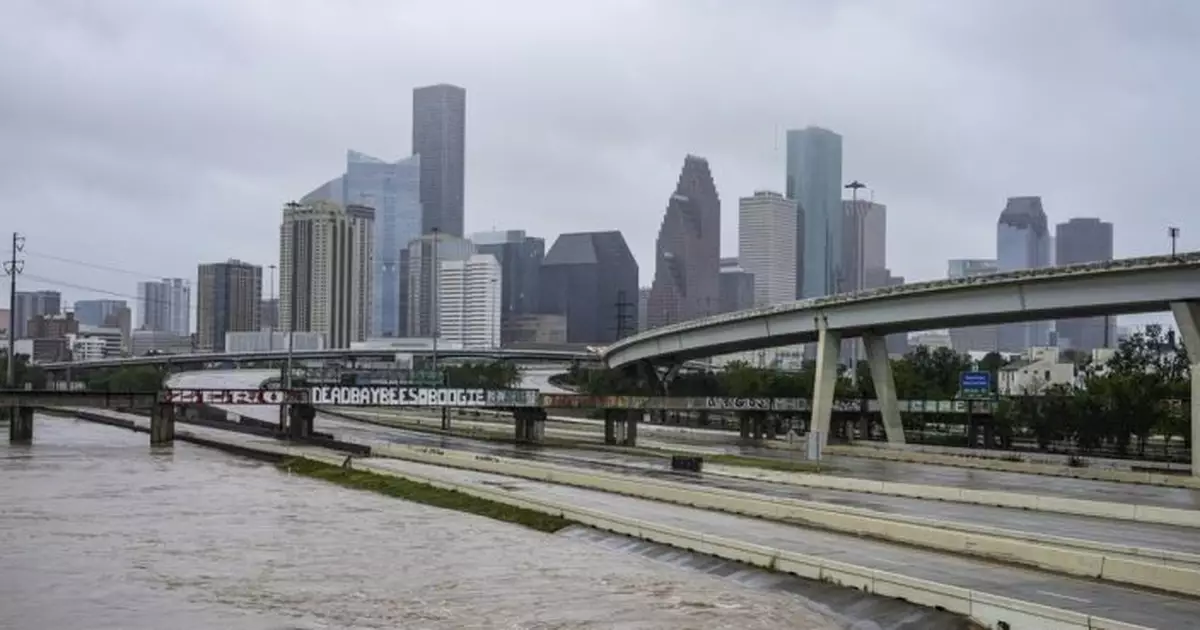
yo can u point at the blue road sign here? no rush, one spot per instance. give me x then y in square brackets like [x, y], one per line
[975, 384]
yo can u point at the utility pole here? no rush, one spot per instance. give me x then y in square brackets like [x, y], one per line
[1173, 233]
[12, 268]
[624, 326]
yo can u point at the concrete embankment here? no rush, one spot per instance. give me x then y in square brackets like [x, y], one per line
[1160, 569]
[983, 604]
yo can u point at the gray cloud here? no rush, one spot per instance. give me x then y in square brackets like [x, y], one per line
[154, 135]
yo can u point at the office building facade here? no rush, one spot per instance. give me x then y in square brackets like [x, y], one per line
[439, 131]
[864, 245]
[470, 302]
[736, 286]
[228, 299]
[973, 338]
[421, 285]
[326, 256]
[814, 181]
[767, 245]
[688, 250]
[96, 312]
[520, 259]
[165, 305]
[1078, 241]
[591, 278]
[1022, 242]
[31, 304]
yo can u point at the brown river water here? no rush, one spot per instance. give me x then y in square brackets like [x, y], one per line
[99, 531]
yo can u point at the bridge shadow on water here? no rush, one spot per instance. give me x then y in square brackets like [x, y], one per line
[848, 608]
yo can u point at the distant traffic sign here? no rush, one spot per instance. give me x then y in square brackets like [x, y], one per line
[975, 385]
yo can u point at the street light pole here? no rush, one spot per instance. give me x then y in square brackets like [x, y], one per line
[292, 303]
[275, 319]
[1173, 233]
[860, 275]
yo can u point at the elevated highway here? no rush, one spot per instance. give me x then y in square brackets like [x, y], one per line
[385, 354]
[1136, 285]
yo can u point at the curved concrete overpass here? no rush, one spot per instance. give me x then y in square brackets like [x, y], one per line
[541, 356]
[1135, 285]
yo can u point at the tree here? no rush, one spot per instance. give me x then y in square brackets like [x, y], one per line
[24, 372]
[141, 378]
[486, 375]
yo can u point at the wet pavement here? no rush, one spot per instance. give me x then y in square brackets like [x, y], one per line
[1122, 603]
[100, 531]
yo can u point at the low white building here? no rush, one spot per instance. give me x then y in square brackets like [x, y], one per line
[268, 340]
[88, 348]
[90, 340]
[1035, 372]
[468, 296]
[143, 342]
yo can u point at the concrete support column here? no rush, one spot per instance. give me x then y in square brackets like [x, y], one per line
[610, 426]
[828, 345]
[162, 425]
[530, 426]
[632, 417]
[885, 387]
[1187, 319]
[20, 425]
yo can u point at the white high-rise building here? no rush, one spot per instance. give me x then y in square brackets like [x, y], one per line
[419, 297]
[469, 293]
[767, 245]
[325, 270]
[165, 305]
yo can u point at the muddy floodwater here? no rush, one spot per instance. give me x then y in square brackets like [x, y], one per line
[99, 531]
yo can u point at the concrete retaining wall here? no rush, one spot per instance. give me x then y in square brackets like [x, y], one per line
[1032, 457]
[1062, 505]
[1094, 474]
[1067, 556]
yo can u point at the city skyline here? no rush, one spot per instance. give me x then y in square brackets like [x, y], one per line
[911, 153]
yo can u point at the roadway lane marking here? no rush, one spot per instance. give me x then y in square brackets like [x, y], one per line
[1060, 595]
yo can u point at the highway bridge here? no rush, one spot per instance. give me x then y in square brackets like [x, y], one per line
[331, 354]
[1135, 285]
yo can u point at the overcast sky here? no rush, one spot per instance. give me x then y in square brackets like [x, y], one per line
[151, 135]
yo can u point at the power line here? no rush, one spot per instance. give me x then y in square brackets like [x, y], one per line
[92, 265]
[82, 287]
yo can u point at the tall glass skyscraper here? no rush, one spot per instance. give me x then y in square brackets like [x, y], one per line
[393, 190]
[687, 262]
[1084, 240]
[814, 181]
[1022, 242]
[439, 131]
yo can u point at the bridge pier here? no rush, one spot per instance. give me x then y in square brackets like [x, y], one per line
[1187, 319]
[162, 425]
[20, 425]
[885, 387]
[828, 345]
[621, 426]
[530, 426]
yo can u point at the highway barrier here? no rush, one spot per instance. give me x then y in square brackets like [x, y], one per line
[1062, 505]
[1093, 474]
[1117, 563]
[985, 608]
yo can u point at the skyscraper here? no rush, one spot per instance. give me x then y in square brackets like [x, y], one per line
[469, 301]
[814, 180]
[439, 131]
[326, 254]
[1022, 242]
[688, 250]
[1084, 240]
[95, 312]
[520, 259]
[591, 278]
[972, 338]
[736, 286]
[165, 305]
[864, 245]
[393, 190]
[420, 267]
[228, 299]
[767, 245]
[30, 304]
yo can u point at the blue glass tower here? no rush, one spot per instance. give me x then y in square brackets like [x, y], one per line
[814, 181]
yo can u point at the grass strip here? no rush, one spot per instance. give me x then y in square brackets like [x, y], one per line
[417, 492]
[742, 461]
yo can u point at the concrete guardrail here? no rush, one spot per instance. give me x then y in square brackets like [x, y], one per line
[985, 608]
[1092, 474]
[1063, 505]
[1066, 556]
